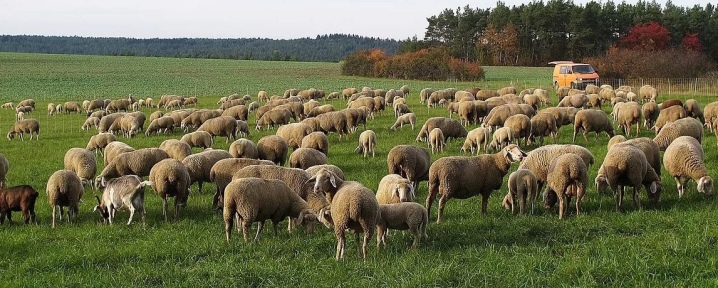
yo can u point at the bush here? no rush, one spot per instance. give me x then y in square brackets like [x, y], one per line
[425, 64]
[669, 63]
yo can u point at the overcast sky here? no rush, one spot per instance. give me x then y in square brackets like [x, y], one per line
[277, 19]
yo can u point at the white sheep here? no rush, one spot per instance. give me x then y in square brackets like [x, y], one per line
[523, 187]
[200, 165]
[273, 148]
[64, 189]
[126, 191]
[21, 127]
[402, 216]
[304, 158]
[316, 140]
[408, 118]
[293, 133]
[436, 140]
[475, 139]
[138, 162]
[627, 165]
[682, 127]
[410, 162]
[394, 189]
[367, 143]
[683, 160]
[501, 138]
[567, 177]
[592, 121]
[82, 162]
[244, 148]
[169, 178]
[100, 141]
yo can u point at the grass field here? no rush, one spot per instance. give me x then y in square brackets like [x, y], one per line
[670, 244]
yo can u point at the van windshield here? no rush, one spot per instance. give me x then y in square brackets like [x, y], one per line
[583, 69]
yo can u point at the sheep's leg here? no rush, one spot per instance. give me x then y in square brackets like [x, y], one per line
[679, 185]
[522, 203]
[341, 241]
[228, 222]
[164, 207]
[484, 202]
[442, 203]
[246, 227]
[619, 198]
[433, 190]
[260, 227]
[580, 192]
[561, 203]
[53, 215]
[636, 200]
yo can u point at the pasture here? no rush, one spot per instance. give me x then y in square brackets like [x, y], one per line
[673, 243]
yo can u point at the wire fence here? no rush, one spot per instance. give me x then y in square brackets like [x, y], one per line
[697, 87]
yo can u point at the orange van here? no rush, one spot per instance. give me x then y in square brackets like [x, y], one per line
[574, 75]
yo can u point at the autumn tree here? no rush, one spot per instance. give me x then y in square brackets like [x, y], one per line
[691, 42]
[649, 37]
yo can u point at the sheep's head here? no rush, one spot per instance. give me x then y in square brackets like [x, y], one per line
[10, 135]
[705, 185]
[654, 191]
[601, 184]
[404, 191]
[325, 182]
[513, 153]
[306, 219]
[549, 199]
[508, 202]
[325, 217]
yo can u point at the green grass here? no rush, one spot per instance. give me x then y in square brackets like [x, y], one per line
[671, 244]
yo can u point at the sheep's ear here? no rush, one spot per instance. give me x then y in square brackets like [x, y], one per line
[411, 188]
[313, 178]
[333, 180]
[95, 209]
[395, 192]
[654, 187]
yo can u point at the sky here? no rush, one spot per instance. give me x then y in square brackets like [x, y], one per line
[276, 19]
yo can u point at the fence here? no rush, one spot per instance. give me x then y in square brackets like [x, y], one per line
[696, 87]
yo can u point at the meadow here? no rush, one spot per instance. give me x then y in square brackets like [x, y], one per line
[672, 243]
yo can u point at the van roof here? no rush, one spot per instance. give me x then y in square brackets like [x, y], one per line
[559, 62]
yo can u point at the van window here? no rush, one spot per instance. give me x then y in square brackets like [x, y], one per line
[564, 70]
[583, 69]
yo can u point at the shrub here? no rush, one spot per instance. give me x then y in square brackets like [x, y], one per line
[425, 64]
[668, 63]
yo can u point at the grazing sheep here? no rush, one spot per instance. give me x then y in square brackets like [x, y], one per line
[626, 164]
[500, 138]
[316, 140]
[648, 93]
[451, 128]
[304, 158]
[410, 162]
[113, 149]
[567, 177]
[424, 95]
[222, 172]
[523, 186]
[681, 127]
[436, 140]
[64, 189]
[539, 159]
[244, 148]
[164, 124]
[82, 162]
[592, 121]
[650, 112]
[543, 124]
[367, 143]
[402, 216]
[72, 106]
[312, 171]
[170, 178]
[464, 177]
[155, 115]
[8, 105]
[353, 206]
[274, 118]
[201, 139]
[19, 198]
[21, 127]
[693, 109]
[176, 149]
[710, 113]
[356, 117]
[257, 200]
[683, 160]
[126, 191]
[520, 126]
[576, 100]
[475, 139]
[138, 162]
[669, 114]
[50, 109]
[199, 165]
[629, 114]
[100, 141]
[395, 189]
[239, 112]
[89, 123]
[221, 126]
[273, 148]
[319, 110]
[408, 118]
[294, 133]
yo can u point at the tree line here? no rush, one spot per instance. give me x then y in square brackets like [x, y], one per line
[536, 33]
[324, 48]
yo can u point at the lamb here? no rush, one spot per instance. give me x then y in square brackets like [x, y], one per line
[335, 121]
[273, 148]
[451, 128]
[669, 114]
[367, 143]
[126, 191]
[402, 216]
[523, 186]
[138, 162]
[592, 121]
[8, 105]
[4, 167]
[82, 162]
[475, 139]
[50, 109]
[222, 172]
[100, 141]
[316, 140]
[304, 158]
[395, 189]
[252, 106]
[221, 126]
[23, 109]
[683, 160]
[89, 123]
[257, 200]
[199, 165]
[436, 140]
[176, 149]
[567, 177]
[244, 148]
[681, 127]
[464, 177]
[312, 171]
[115, 148]
[410, 162]
[629, 114]
[64, 189]
[18, 198]
[501, 138]
[170, 178]
[650, 112]
[693, 109]
[353, 206]
[263, 96]
[626, 164]
[21, 127]
[294, 133]
[408, 118]
[163, 124]
[648, 93]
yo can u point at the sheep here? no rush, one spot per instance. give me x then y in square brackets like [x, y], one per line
[629, 114]
[451, 128]
[501, 138]
[567, 177]
[670, 103]
[197, 118]
[163, 124]
[316, 111]
[306, 157]
[539, 159]
[464, 177]
[263, 96]
[402, 216]
[8, 105]
[650, 112]
[681, 127]
[273, 118]
[498, 115]
[408, 118]
[353, 206]
[257, 200]
[333, 95]
[424, 95]
[189, 101]
[670, 114]
[335, 121]
[176, 149]
[170, 178]
[710, 113]
[523, 186]
[21, 127]
[221, 126]
[543, 124]
[410, 162]
[648, 93]
[19, 198]
[367, 143]
[607, 94]
[312, 171]
[296, 110]
[89, 123]
[199, 165]
[316, 140]
[626, 164]
[683, 160]
[436, 140]
[239, 112]
[647, 145]
[201, 139]
[243, 148]
[273, 148]
[50, 109]
[72, 106]
[138, 162]
[4, 167]
[293, 133]
[395, 189]
[404, 89]
[309, 105]
[369, 103]
[113, 149]
[24, 109]
[401, 109]
[356, 117]
[475, 139]
[576, 100]
[156, 114]
[592, 121]
[126, 191]
[100, 141]
[251, 107]
[82, 162]
[221, 173]
[131, 123]
[520, 126]
[693, 109]
[64, 189]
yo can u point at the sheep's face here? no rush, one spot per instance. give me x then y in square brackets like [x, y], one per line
[404, 191]
[325, 217]
[549, 199]
[601, 184]
[705, 185]
[508, 202]
[306, 219]
[513, 153]
[654, 191]
[325, 182]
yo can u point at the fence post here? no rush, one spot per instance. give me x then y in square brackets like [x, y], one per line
[695, 87]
